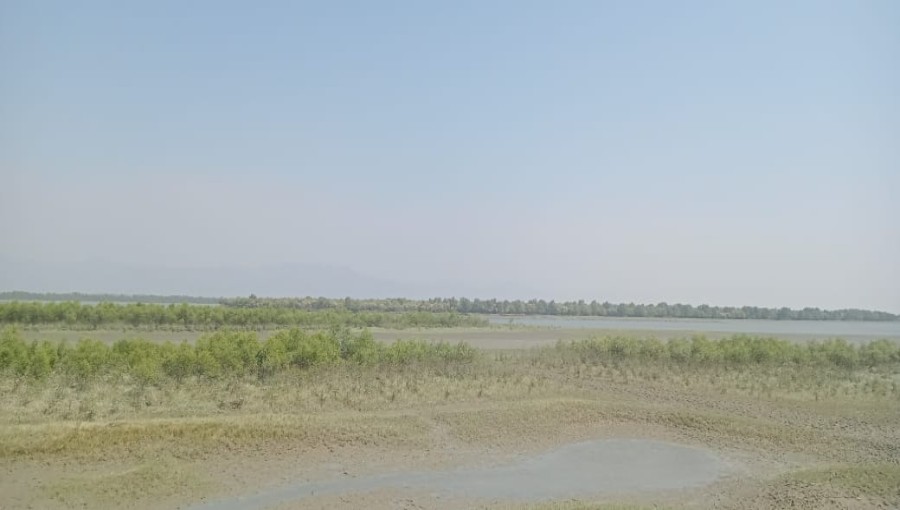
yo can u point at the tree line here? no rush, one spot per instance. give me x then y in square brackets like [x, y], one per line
[477, 306]
[571, 308]
[74, 314]
[19, 295]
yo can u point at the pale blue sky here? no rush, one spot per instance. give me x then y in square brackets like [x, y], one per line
[719, 152]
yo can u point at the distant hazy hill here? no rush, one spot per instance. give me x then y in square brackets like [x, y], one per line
[478, 306]
[102, 281]
[100, 278]
[18, 295]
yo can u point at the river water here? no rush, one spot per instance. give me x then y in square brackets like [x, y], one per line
[850, 330]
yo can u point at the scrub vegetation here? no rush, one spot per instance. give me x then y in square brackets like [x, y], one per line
[225, 354]
[74, 315]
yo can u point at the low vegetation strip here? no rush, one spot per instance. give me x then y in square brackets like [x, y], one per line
[217, 355]
[737, 350]
[76, 315]
[225, 354]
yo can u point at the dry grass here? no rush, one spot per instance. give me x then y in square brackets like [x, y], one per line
[196, 437]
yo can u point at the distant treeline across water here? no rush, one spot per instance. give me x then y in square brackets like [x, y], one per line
[18, 295]
[571, 308]
[209, 318]
[483, 306]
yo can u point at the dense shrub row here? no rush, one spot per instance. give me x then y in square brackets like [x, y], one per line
[217, 355]
[733, 351]
[75, 314]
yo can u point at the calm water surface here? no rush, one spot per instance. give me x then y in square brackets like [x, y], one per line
[571, 471]
[850, 330]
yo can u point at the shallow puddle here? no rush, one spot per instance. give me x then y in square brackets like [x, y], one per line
[575, 470]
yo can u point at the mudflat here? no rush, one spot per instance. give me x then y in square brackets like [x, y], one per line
[614, 423]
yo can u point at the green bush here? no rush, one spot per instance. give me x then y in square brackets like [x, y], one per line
[404, 352]
[705, 351]
[272, 357]
[302, 349]
[42, 359]
[679, 350]
[227, 353]
[879, 352]
[13, 352]
[838, 353]
[87, 359]
[180, 361]
[737, 350]
[360, 348]
[74, 314]
[651, 349]
[141, 359]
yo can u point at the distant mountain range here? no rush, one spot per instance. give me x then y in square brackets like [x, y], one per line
[93, 278]
[94, 281]
[99, 277]
[476, 306]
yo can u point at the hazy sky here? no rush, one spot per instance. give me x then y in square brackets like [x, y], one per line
[718, 152]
